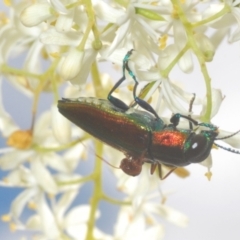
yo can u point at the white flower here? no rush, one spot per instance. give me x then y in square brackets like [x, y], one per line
[71, 65]
[130, 226]
[60, 40]
[226, 21]
[127, 25]
[35, 14]
[62, 134]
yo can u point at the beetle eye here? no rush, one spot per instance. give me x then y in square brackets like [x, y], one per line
[195, 147]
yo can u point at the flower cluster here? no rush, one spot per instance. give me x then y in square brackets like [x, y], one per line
[59, 42]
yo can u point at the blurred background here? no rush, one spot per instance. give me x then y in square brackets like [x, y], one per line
[213, 207]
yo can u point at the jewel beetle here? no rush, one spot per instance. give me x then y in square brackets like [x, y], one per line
[141, 134]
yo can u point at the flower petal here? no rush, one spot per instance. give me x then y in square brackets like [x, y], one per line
[21, 200]
[58, 5]
[70, 65]
[64, 22]
[35, 14]
[64, 203]
[61, 126]
[49, 225]
[88, 59]
[172, 215]
[217, 99]
[13, 159]
[105, 12]
[43, 176]
[51, 36]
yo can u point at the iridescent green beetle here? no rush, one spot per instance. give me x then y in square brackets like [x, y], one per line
[141, 135]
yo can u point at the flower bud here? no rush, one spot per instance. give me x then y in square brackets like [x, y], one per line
[70, 65]
[205, 46]
[149, 14]
[35, 14]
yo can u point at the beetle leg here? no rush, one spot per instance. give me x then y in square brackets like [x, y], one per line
[115, 101]
[159, 165]
[160, 172]
[176, 118]
[153, 168]
[142, 103]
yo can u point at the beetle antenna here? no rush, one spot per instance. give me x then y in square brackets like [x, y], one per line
[190, 110]
[104, 160]
[233, 134]
[227, 149]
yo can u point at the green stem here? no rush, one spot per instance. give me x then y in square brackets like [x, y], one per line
[97, 192]
[115, 201]
[123, 3]
[97, 81]
[53, 78]
[97, 44]
[168, 69]
[225, 10]
[77, 181]
[193, 45]
[10, 70]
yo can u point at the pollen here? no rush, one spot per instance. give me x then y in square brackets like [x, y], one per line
[150, 221]
[164, 199]
[32, 205]
[116, 90]
[163, 41]
[6, 218]
[130, 217]
[84, 155]
[20, 139]
[53, 54]
[174, 13]
[130, 87]
[51, 196]
[8, 3]
[154, 3]
[208, 174]
[149, 100]
[44, 54]
[3, 19]
[13, 227]
[5, 180]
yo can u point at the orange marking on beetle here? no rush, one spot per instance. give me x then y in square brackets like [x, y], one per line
[169, 138]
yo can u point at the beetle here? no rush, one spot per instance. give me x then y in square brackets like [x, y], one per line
[141, 134]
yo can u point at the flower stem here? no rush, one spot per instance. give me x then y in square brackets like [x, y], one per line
[193, 45]
[97, 192]
[5, 69]
[115, 201]
[97, 81]
[77, 181]
[223, 12]
[168, 69]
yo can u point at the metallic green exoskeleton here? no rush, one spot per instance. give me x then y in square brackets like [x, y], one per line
[138, 134]
[141, 135]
